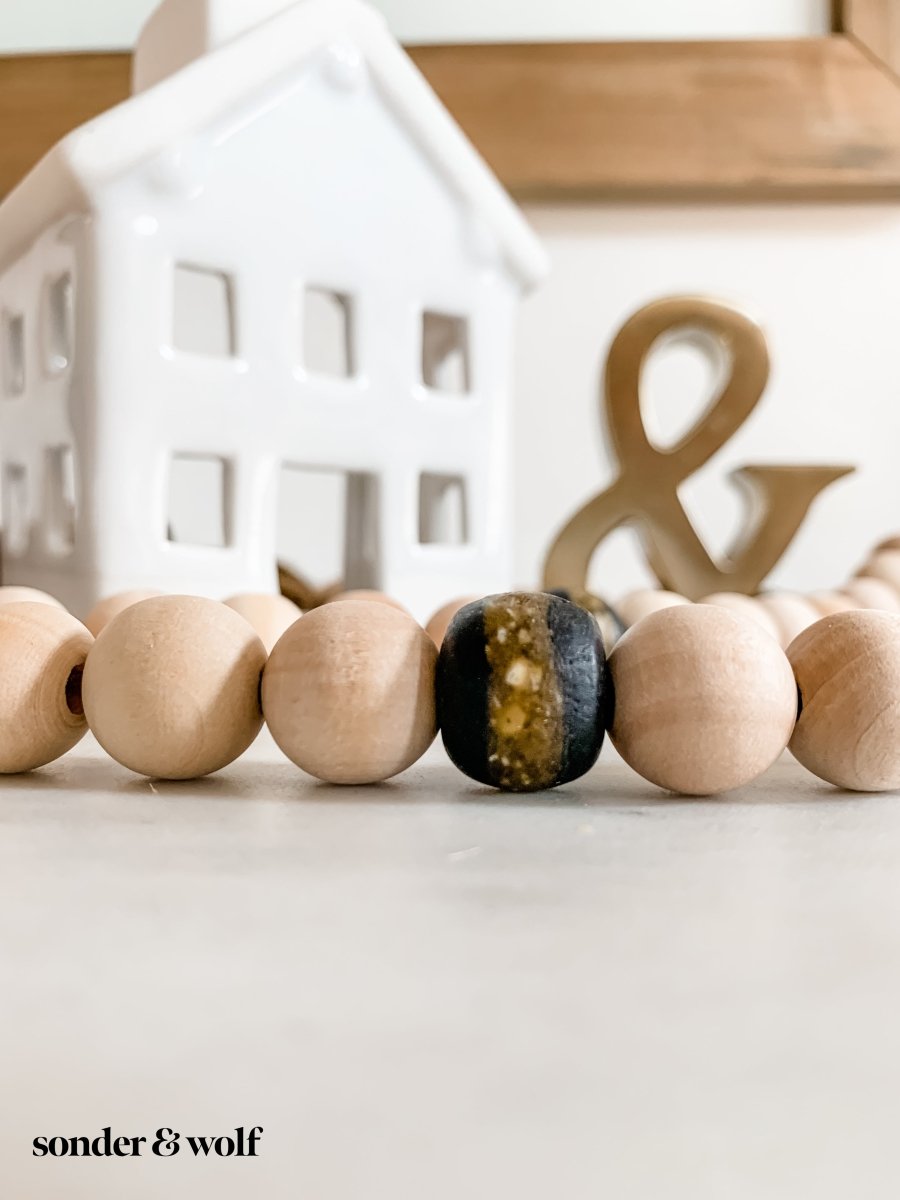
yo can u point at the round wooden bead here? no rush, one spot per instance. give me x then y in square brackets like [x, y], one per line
[872, 593]
[705, 699]
[27, 595]
[439, 623]
[827, 604]
[637, 605]
[106, 610]
[523, 691]
[171, 687]
[42, 655]
[848, 673]
[884, 565]
[270, 615]
[791, 614]
[373, 597]
[348, 692]
[891, 543]
[745, 606]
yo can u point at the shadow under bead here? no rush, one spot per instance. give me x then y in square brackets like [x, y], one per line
[523, 691]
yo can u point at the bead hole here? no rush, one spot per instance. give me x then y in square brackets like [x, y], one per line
[73, 692]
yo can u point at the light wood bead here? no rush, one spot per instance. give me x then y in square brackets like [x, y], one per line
[848, 673]
[42, 654]
[891, 543]
[270, 615]
[641, 603]
[171, 687]
[705, 700]
[884, 565]
[439, 624]
[106, 610]
[827, 604]
[872, 593]
[373, 597]
[791, 614]
[745, 606]
[27, 595]
[348, 692]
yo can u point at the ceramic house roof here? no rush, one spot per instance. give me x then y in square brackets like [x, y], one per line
[185, 102]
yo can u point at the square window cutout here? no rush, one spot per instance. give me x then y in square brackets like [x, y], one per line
[445, 353]
[16, 521]
[328, 333]
[12, 354]
[59, 499]
[443, 511]
[328, 526]
[58, 323]
[200, 501]
[203, 312]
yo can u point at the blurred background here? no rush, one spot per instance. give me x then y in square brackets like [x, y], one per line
[819, 276]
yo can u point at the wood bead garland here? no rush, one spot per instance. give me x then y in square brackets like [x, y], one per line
[791, 614]
[348, 692]
[705, 700]
[374, 597]
[641, 603]
[439, 623]
[746, 606]
[848, 672]
[523, 691]
[171, 687]
[872, 593]
[268, 614]
[884, 565]
[42, 655]
[827, 604]
[27, 595]
[107, 609]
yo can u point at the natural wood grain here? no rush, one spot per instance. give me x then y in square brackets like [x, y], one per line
[705, 699]
[42, 653]
[171, 687]
[809, 117]
[848, 673]
[348, 692]
[109, 607]
[644, 601]
[270, 616]
[44, 96]
[815, 117]
[790, 612]
[875, 24]
[745, 606]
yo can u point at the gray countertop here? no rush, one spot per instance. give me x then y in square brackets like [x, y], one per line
[428, 990]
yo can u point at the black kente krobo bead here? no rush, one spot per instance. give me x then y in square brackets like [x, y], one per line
[523, 691]
[609, 622]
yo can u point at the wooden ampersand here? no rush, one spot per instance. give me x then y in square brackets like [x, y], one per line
[646, 491]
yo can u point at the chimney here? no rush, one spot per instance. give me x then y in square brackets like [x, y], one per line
[181, 30]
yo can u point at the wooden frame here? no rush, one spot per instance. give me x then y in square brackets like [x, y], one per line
[815, 118]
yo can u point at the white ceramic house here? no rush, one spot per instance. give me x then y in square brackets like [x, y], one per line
[280, 250]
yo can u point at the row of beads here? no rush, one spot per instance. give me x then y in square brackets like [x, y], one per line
[785, 615]
[696, 699]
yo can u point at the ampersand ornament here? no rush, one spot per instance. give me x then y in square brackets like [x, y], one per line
[645, 492]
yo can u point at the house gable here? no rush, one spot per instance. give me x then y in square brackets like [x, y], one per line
[196, 96]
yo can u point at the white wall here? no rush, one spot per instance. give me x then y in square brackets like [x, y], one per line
[823, 280]
[29, 25]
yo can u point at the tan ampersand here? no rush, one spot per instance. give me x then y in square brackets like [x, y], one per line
[646, 491]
